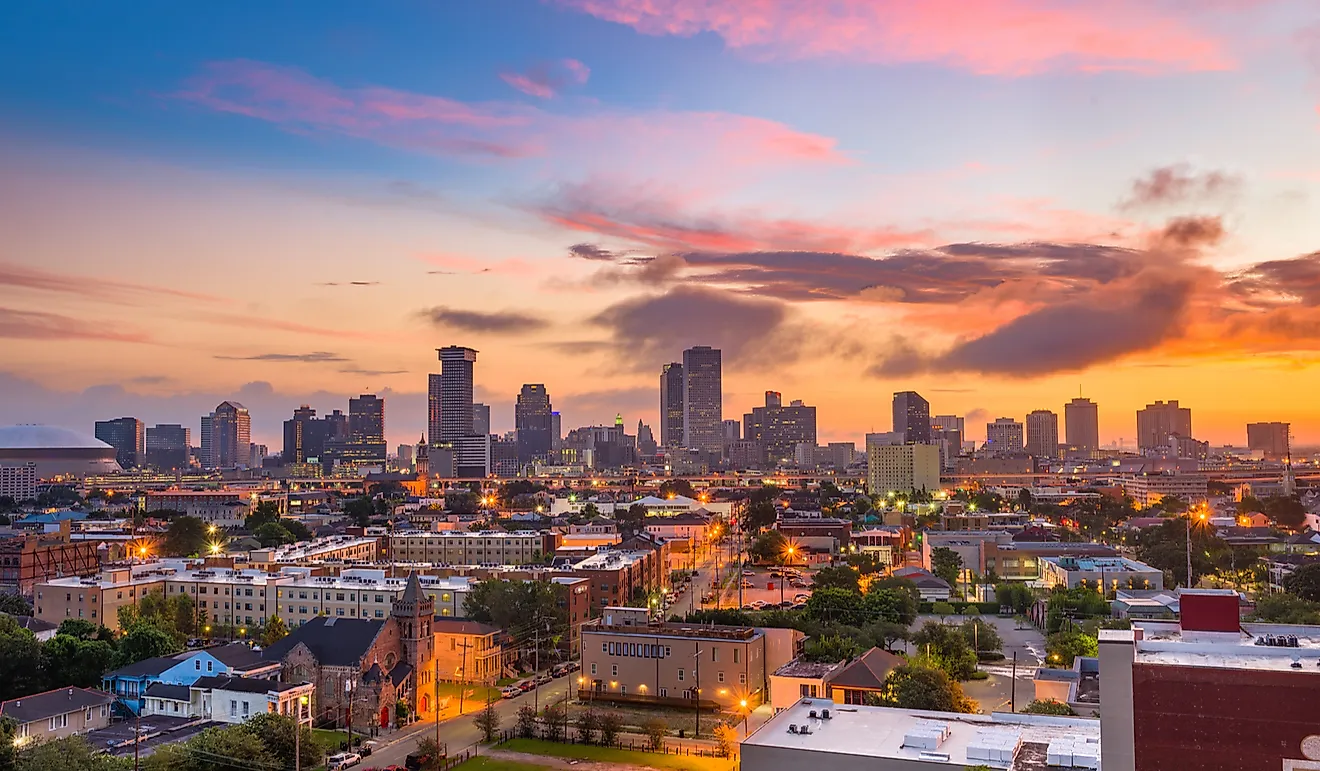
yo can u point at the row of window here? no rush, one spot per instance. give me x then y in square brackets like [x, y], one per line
[638, 650]
[719, 676]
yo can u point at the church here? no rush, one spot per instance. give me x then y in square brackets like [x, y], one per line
[364, 669]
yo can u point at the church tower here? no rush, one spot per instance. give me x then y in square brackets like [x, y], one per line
[414, 611]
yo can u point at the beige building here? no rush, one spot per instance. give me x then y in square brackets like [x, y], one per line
[625, 658]
[1150, 489]
[56, 714]
[335, 548]
[224, 508]
[902, 467]
[467, 652]
[466, 548]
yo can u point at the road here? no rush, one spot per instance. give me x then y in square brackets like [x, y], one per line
[460, 732]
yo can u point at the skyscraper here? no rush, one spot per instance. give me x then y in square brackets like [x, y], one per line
[1042, 434]
[230, 434]
[480, 418]
[1158, 420]
[671, 404]
[949, 423]
[732, 430]
[703, 399]
[434, 387]
[366, 431]
[168, 446]
[304, 436]
[645, 439]
[556, 431]
[779, 429]
[912, 417]
[1270, 438]
[456, 381]
[1004, 436]
[128, 437]
[531, 419]
[1081, 426]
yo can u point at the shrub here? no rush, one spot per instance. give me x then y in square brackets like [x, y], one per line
[1048, 707]
[588, 723]
[610, 725]
[726, 738]
[526, 725]
[656, 731]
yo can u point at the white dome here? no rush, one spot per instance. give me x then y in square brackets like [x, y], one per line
[38, 437]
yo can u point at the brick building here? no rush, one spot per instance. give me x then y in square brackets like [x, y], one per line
[27, 560]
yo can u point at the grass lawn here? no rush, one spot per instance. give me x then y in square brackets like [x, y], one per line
[615, 755]
[329, 739]
[492, 764]
[472, 694]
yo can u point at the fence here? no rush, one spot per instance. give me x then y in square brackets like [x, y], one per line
[631, 744]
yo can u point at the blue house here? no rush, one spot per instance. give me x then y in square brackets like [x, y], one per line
[129, 684]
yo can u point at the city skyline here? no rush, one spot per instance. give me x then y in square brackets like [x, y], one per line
[584, 190]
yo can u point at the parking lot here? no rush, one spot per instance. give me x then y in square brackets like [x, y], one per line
[761, 588]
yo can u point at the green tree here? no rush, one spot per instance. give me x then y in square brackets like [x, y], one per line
[8, 732]
[487, 722]
[894, 605]
[276, 733]
[946, 647]
[946, 563]
[1062, 648]
[360, 510]
[726, 739]
[273, 534]
[590, 512]
[768, 546]
[243, 749]
[552, 720]
[982, 635]
[83, 629]
[830, 648]
[20, 661]
[841, 577]
[264, 512]
[610, 726]
[1015, 595]
[73, 753]
[921, 685]
[761, 515]
[1286, 511]
[14, 605]
[631, 521]
[1283, 608]
[274, 631]
[1304, 582]
[525, 724]
[144, 641]
[67, 660]
[886, 634]
[835, 605]
[656, 731]
[671, 487]
[1049, 707]
[185, 537]
[588, 723]
[299, 531]
[943, 609]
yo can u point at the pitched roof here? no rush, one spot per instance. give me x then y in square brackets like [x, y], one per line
[456, 626]
[146, 667]
[400, 673]
[40, 706]
[34, 625]
[412, 591]
[171, 692]
[334, 641]
[868, 671]
[243, 684]
[236, 655]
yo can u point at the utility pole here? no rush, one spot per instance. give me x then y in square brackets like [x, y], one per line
[137, 737]
[437, 700]
[536, 667]
[697, 700]
[1012, 693]
[462, 675]
[348, 688]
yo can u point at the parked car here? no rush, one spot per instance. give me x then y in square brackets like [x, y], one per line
[749, 572]
[544, 678]
[798, 606]
[342, 760]
[417, 761]
[526, 685]
[747, 584]
[801, 597]
[749, 606]
[510, 691]
[573, 666]
[366, 748]
[559, 670]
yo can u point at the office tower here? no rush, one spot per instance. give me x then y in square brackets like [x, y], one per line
[703, 399]
[671, 404]
[912, 417]
[168, 446]
[532, 421]
[1269, 438]
[779, 429]
[948, 423]
[646, 444]
[1081, 427]
[256, 455]
[230, 436]
[950, 442]
[556, 431]
[404, 456]
[504, 461]
[304, 436]
[365, 444]
[456, 382]
[206, 452]
[128, 437]
[434, 387]
[1004, 436]
[1158, 420]
[480, 418]
[883, 439]
[732, 431]
[841, 454]
[902, 468]
[1042, 434]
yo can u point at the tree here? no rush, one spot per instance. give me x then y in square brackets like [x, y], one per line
[276, 732]
[552, 720]
[73, 753]
[894, 605]
[1286, 511]
[760, 515]
[1304, 582]
[243, 749]
[515, 604]
[885, 634]
[835, 605]
[1015, 595]
[144, 641]
[1049, 707]
[672, 487]
[590, 511]
[186, 536]
[1062, 648]
[588, 723]
[656, 731]
[982, 635]
[525, 724]
[768, 546]
[841, 577]
[14, 605]
[265, 511]
[8, 732]
[726, 739]
[942, 609]
[1283, 608]
[299, 531]
[631, 521]
[947, 648]
[83, 629]
[360, 510]
[921, 685]
[274, 631]
[610, 726]
[20, 661]
[946, 563]
[487, 722]
[1165, 547]
[273, 534]
[67, 660]
[830, 648]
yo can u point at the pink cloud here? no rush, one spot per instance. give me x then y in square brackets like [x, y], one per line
[546, 79]
[988, 37]
[298, 102]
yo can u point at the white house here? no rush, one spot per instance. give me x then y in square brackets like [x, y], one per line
[235, 699]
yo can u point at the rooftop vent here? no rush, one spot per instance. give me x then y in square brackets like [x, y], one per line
[825, 714]
[792, 727]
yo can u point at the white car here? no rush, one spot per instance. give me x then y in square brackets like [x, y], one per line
[343, 760]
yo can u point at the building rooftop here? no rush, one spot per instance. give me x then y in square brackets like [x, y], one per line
[610, 560]
[814, 670]
[40, 706]
[1009, 741]
[38, 437]
[310, 550]
[1099, 564]
[675, 629]
[1268, 647]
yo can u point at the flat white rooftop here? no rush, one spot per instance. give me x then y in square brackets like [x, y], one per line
[1272, 647]
[1018, 742]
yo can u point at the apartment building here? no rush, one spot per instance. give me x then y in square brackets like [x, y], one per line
[1150, 489]
[223, 508]
[467, 652]
[28, 559]
[467, 548]
[1113, 573]
[617, 577]
[57, 714]
[625, 658]
[362, 593]
[335, 548]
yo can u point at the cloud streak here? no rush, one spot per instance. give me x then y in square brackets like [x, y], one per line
[494, 323]
[36, 325]
[315, 357]
[103, 289]
[1179, 184]
[545, 80]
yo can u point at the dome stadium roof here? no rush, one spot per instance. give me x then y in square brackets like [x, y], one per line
[33, 437]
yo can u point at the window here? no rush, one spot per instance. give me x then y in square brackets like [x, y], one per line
[735, 655]
[245, 709]
[680, 675]
[593, 667]
[210, 666]
[197, 665]
[233, 708]
[604, 647]
[805, 690]
[339, 611]
[719, 677]
[714, 653]
[57, 722]
[614, 670]
[664, 692]
[742, 678]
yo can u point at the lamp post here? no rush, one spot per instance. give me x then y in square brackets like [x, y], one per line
[299, 703]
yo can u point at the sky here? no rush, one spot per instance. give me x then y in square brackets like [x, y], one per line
[1000, 204]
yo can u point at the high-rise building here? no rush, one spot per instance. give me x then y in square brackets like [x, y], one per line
[404, 456]
[366, 432]
[531, 419]
[230, 436]
[1081, 427]
[129, 438]
[206, 452]
[1042, 434]
[912, 417]
[504, 460]
[456, 382]
[671, 404]
[256, 455]
[646, 444]
[841, 454]
[949, 423]
[168, 446]
[703, 399]
[1158, 420]
[304, 436]
[434, 387]
[480, 418]
[779, 429]
[556, 431]
[732, 431]
[902, 468]
[950, 442]
[1004, 436]
[1270, 438]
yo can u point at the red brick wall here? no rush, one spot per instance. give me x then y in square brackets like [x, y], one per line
[1202, 719]
[1210, 613]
